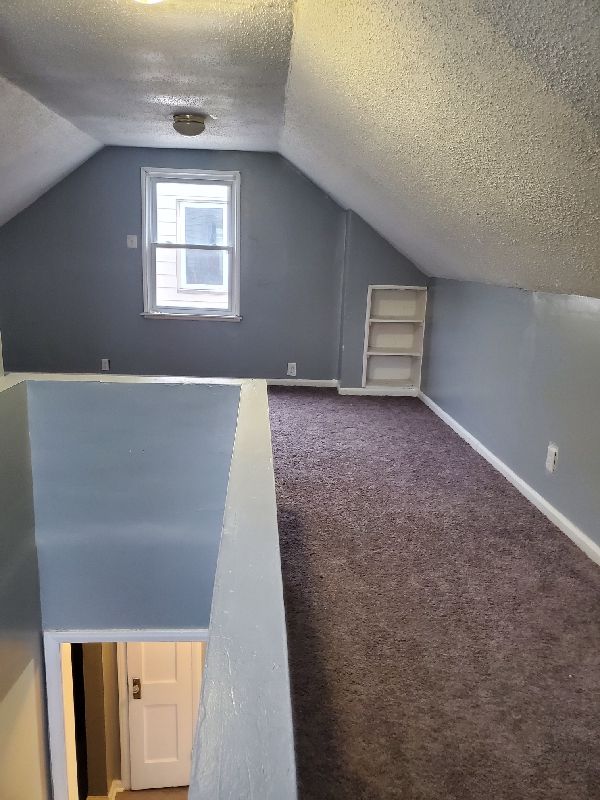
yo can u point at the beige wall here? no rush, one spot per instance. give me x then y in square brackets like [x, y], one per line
[111, 712]
[23, 768]
[101, 716]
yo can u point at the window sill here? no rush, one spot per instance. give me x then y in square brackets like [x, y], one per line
[213, 317]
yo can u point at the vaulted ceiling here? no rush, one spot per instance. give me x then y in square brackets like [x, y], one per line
[465, 131]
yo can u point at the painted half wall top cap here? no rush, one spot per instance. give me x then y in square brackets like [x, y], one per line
[189, 124]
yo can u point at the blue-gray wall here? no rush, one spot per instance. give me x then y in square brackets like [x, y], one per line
[71, 292]
[518, 369]
[23, 761]
[368, 259]
[129, 488]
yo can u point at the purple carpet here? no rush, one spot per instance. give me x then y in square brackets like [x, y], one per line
[444, 637]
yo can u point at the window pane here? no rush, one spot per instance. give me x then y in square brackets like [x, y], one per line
[192, 213]
[193, 279]
[207, 267]
[203, 224]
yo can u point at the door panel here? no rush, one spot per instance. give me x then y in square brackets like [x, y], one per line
[162, 713]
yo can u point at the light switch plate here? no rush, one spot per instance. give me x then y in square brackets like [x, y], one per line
[132, 241]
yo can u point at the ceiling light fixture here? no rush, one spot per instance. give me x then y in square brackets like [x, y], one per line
[148, 2]
[189, 124]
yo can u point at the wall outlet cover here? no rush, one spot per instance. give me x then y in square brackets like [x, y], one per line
[291, 369]
[551, 457]
[105, 365]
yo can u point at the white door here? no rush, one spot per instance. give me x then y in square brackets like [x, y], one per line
[163, 684]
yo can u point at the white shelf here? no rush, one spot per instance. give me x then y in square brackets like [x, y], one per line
[402, 303]
[393, 346]
[412, 321]
[384, 351]
[390, 384]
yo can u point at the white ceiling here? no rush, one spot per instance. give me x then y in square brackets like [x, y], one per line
[465, 131]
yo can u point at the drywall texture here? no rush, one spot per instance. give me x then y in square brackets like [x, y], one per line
[37, 148]
[246, 741]
[465, 132]
[71, 291]
[119, 70]
[368, 259]
[129, 489]
[518, 370]
[23, 761]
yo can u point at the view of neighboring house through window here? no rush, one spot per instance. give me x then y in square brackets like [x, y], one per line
[190, 243]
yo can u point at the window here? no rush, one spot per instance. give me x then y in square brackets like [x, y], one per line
[191, 235]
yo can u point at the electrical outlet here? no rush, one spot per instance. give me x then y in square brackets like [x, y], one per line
[105, 365]
[291, 370]
[551, 457]
[131, 241]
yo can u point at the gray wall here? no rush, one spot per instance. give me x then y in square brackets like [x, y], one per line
[518, 369]
[23, 761]
[71, 292]
[368, 259]
[129, 489]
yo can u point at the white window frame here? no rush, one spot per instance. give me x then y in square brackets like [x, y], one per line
[150, 177]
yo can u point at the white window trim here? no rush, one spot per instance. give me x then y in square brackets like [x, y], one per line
[149, 177]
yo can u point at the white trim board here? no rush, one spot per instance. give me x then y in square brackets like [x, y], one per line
[380, 391]
[54, 692]
[331, 383]
[581, 539]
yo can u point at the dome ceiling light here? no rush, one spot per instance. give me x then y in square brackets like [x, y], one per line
[189, 124]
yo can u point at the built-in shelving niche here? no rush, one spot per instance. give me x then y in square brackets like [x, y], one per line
[394, 331]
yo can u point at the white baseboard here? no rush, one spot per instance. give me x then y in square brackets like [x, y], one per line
[115, 788]
[379, 391]
[301, 382]
[581, 539]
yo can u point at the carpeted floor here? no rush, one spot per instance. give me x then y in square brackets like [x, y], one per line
[444, 637]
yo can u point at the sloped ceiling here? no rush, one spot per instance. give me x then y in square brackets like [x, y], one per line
[37, 149]
[465, 131]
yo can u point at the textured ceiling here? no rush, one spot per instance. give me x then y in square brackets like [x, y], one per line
[119, 69]
[465, 131]
[37, 149]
